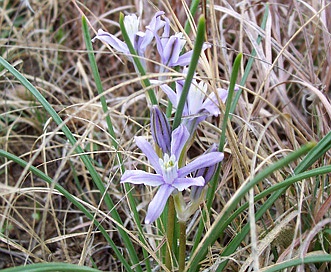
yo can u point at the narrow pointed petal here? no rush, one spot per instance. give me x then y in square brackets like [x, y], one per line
[170, 93]
[207, 172]
[202, 161]
[211, 103]
[156, 22]
[222, 94]
[154, 26]
[141, 177]
[139, 39]
[183, 183]
[112, 41]
[148, 150]
[156, 206]
[196, 96]
[172, 50]
[131, 23]
[179, 89]
[166, 31]
[179, 138]
[185, 59]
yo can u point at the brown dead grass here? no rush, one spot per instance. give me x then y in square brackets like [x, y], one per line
[285, 103]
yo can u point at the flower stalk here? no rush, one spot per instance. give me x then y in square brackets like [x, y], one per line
[170, 233]
[182, 245]
[145, 82]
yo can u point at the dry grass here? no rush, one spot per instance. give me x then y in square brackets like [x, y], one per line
[285, 103]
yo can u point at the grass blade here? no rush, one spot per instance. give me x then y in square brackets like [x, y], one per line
[79, 150]
[312, 258]
[111, 131]
[97, 80]
[212, 235]
[191, 70]
[45, 267]
[313, 155]
[72, 199]
[213, 183]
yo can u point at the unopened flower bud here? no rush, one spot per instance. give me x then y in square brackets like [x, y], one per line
[160, 129]
[207, 173]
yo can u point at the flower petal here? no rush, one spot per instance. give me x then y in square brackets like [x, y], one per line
[156, 206]
[195, 96]
[183, 183]
[112, 41]
[172, 49]
[222, 94]
[205, 160]
[142, 177]
[170, 93]
[185, 59]
[148, 150]
[154, 26]
[131, 23]
[179, 138]
[211, 103]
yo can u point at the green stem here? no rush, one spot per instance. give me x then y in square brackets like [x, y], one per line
[141, 70]
[170, 232]
[182, 245]
[111, 131]
[213, 233]
[72, 199]
[81, 153]
[191, 70]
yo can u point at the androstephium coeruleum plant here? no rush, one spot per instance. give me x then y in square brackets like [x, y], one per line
[192, 105]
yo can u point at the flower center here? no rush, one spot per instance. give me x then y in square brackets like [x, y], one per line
[169, 167]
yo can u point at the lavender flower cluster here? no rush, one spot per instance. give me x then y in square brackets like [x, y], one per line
[171, 175]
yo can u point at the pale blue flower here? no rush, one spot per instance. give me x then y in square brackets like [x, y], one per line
[206, 172]
[170, 47]
[199, 105]
[168, 175]
[140, 40]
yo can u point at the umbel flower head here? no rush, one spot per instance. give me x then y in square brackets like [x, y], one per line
[169, 176]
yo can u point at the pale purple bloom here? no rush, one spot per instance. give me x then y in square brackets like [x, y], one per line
[160, 129]
[206, 172]
[170, 47]
[140, 40]
[168, 175]
[199, 105]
